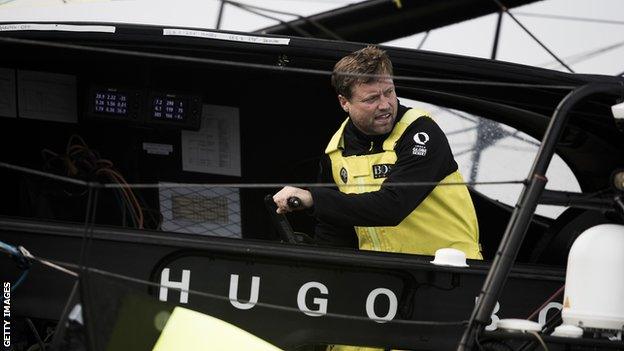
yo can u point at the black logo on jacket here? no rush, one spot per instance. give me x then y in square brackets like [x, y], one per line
[343, 175]
[382, 170]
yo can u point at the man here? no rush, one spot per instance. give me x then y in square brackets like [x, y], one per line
[380, 143]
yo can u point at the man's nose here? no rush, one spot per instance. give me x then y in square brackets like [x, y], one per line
[384, 103]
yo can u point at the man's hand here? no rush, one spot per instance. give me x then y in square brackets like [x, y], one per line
[281, 199]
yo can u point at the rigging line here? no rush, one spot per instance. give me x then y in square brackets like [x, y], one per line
[518, 104]
[549, 300]
[340, 2]
[258, 13]
[539, 338]
[499, 22]
[303, 185]
[35, 332]
[522, 138]
[571, 18]
[90, 226]
[470, 118]
[422, 42]
[220, 15]
[96, 185]
[582, 56]
[83, 243]
[504, 8]
[460, 131]
[463, 152]
[43, 174]
[303, 18]
[135, 53]
[50, 263]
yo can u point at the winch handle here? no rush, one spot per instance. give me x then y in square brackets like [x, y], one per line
[280, 222]
[294, 202]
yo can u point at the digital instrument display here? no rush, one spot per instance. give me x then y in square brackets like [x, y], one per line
[113, 103]
[169, 108]
[174, 110]
[120, 104]
[140, 107]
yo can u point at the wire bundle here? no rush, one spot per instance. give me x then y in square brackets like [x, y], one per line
[82, 162]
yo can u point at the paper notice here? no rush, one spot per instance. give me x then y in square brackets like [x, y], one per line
[47, 96]
[215, 148]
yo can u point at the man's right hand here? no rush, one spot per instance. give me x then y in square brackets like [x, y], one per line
[282, 196]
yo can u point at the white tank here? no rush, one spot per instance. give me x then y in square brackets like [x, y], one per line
[594, 292]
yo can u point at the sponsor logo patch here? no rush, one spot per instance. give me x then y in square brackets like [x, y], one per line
[420, 138]
[419, 150]
[382, 170]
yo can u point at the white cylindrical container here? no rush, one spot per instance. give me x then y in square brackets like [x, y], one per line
[594, 292]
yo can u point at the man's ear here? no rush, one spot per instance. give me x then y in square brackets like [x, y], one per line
[344, 103]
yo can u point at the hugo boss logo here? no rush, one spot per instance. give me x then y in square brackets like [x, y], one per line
[381, 170]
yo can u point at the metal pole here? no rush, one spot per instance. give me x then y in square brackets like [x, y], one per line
[218, 26]
[496, 35]
[523, 212]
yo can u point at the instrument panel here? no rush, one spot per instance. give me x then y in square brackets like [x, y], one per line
[141, 107]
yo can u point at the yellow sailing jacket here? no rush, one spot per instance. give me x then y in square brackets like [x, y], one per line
[445, 218]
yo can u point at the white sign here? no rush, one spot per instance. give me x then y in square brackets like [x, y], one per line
[215, 148]
[158, 149]
[56, 27]
[226, 36]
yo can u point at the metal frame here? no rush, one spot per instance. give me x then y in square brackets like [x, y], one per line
[523, 212]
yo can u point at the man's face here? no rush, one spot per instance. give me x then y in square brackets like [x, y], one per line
[372, 106]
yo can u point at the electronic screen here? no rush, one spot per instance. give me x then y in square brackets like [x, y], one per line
[118, 104]
[174, 110]
[169, 108]
[114, 103]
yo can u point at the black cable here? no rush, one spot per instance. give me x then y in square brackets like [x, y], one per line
[255, 12]
[422, 42]
[90, 225]
[83, 244]
[181, 58]
[570, 18]
[314, 23]
[478, 343]
[36, 333]
[220, 15]
[583, 56]
[504, 8]
[273, 185]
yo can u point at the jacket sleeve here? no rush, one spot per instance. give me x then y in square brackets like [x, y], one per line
[326, 233]
[427, 160]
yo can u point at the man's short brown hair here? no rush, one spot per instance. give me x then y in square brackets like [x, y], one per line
[360, 67]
